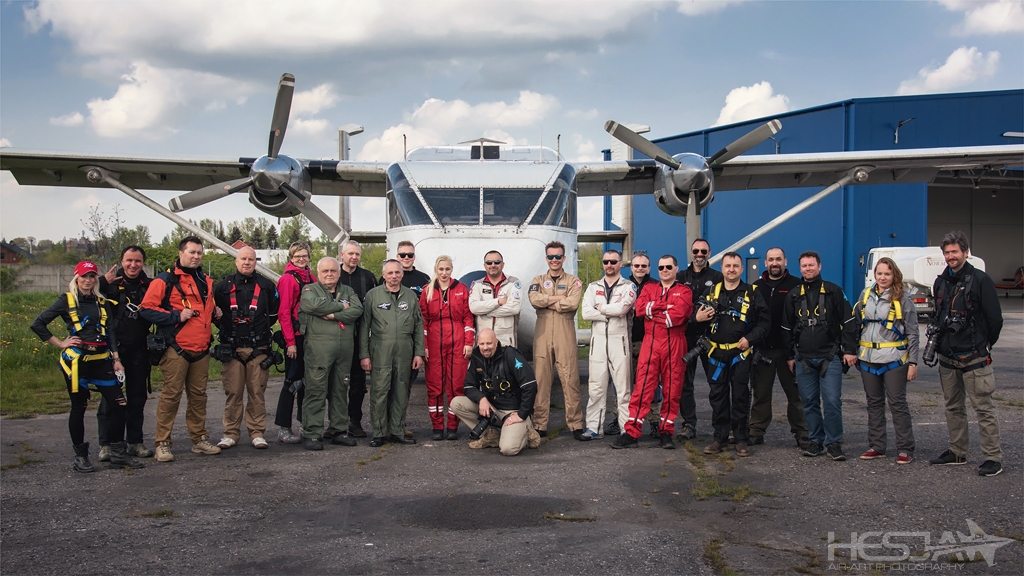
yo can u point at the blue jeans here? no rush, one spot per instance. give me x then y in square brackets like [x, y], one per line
[817, 391]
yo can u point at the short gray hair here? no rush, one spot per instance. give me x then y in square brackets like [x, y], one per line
[329, 260]
[956, 237]
[351, 242]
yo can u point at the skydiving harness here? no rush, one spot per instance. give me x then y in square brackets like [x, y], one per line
[86, 351]
[804, 320]
[245, 316]
[964, 361]
[740, 315]
[889, 323]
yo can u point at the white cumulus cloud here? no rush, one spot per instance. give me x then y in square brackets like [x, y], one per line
[748, 102]
[314, 100]
[999, 17]
[303, 127]
[698, 7]
[73, 119]
[5, 143]
[962, 68]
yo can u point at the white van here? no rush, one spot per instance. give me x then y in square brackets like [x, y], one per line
[920, 267]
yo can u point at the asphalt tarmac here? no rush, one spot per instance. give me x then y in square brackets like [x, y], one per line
[568, 507]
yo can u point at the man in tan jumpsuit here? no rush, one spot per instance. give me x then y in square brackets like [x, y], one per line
[556, 296]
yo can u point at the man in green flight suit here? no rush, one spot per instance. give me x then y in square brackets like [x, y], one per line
[328, 311]
[391, 346]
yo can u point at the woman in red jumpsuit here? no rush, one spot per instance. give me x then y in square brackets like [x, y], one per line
[448, 327]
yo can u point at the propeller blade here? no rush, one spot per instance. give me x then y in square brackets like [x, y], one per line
[282, 108]
[208, 194]
[639, 143]
[316, 216]
[745, 142]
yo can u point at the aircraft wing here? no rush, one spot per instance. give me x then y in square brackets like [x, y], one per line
[981, 165]
[329, 177]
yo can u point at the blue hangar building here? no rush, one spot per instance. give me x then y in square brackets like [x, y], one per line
[848, 223]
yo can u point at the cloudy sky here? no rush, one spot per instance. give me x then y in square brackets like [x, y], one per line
[198, 78]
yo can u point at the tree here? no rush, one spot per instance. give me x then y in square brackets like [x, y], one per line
[256, 240]
[295, 229]
[235, 235]
[272, 242]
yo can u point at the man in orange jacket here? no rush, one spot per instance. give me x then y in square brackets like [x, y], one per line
[180, 302]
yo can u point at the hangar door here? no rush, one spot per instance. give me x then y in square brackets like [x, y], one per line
[993, 220]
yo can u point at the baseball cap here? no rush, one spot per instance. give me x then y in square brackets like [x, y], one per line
[85, 267]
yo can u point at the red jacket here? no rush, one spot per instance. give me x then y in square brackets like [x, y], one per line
[664, 310]
[447, 323]
[289, 290]
[195, 335]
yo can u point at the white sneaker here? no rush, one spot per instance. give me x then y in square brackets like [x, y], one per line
[226, 443]
[259, 442]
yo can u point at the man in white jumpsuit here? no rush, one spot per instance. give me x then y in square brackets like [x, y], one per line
[606, 303]
[496, 300]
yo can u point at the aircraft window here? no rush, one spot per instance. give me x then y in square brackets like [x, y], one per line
[559, 205]
[404, 208]
[454, 206]
[490, 153]
[509, 206]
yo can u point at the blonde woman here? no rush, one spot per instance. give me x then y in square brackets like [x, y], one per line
[887, 358]
[449, 332]
[89, 356]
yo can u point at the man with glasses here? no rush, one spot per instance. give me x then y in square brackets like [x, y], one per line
[699, 278]
[411, 277]
[556, 296]
[665, 308]
[641, 269]
[496, 300]
[360, 280]
[606, 304]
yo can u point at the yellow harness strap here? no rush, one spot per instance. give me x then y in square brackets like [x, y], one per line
[77, 323]
[69, 360]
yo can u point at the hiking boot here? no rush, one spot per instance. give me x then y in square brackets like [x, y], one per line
[139, 450]
[452, 434]
[666, 441]
[82, 463]
[104, 455]
[947, 458]
[438, 435]
[812, 449]
[119, 457]
[835, 452]
[742, 450]
[312, 444]
[204, 446]
[163, 452]
[990, 468]
[625, 441]
[532, 438]
[343, 440]
[285, 436]
[356, 431]
[489, 439]
[713, 448]
[688, 432]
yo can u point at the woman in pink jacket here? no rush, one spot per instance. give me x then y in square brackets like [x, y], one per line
[296, 275]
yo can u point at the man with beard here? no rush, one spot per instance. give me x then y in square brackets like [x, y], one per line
[699, 278]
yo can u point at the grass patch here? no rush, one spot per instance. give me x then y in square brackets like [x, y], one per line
[655, 490]
[1014, 536]
[554, 432]
[727, 461]
[24, 458]
[380, 454]
[583, 353]
[564, 518]
[161, 513]
[663, 474]
[707, 485]
[714, 558]
[645, 501]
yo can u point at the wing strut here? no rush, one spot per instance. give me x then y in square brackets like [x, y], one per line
[96, 175]
[856, 175]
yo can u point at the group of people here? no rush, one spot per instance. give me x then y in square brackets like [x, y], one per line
[339, 323]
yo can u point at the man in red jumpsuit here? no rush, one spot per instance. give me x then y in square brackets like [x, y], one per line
[665, 308]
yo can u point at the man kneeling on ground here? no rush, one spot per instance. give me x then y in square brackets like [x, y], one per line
[500, 386]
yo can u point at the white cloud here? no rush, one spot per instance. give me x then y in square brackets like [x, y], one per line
[149, 96]
[963, 67]
[698, 7]
[311, 127]
[314, 100]
[5, 143]
[586, 150]
[438, 122]
[216, 106]
[999, 17]
[748, 102]
[73, 119]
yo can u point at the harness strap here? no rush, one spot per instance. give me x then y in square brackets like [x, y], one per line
[252, 305]
[895, 313]
[883, 369]
[79, 324]
[741, 314]
[719, 365]
[877, 345]
[69, 360]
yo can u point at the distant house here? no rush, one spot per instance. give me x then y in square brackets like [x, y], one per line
[12, 254]
[239, 244]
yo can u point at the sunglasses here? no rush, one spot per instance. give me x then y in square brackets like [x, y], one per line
[406, 255]
[607, 262]
[492, 262]
[556, 256]
[666, 267]
[696, 251]
[641, 265]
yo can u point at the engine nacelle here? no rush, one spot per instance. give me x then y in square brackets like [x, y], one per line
[673, 187]
[278, 205]
[268, 175]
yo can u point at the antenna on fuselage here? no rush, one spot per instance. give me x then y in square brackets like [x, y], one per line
[405, 148]
[558, 146]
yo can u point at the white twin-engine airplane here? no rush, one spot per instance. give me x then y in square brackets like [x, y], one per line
[467, 199]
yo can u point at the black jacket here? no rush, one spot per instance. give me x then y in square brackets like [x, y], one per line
[242, 327]
[730, 328]
[775, 293]
[637, 329]
[126, 295]
[87, 307]
[835, 326]
[486, 376]
[413, 280]
[981, 311]
[360, 281]
[698, 283]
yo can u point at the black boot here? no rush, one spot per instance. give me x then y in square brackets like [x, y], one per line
[119, 457]
[82, 463]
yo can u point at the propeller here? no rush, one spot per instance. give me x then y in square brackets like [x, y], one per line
[282, 108]
[745, 142]
[209, 194]
[640, 144]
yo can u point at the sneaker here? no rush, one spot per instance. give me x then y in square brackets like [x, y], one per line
[204, 446]
[226, 443]
[666, 441]
[163, 452]
[312, 444]
[813, 449]
[581, 436]
[688, 432]
[835, 452]
[343, 440]
[713, 448]
[801, 441]
[756, 440]
[286, 436]
[872, 454]
[590, 434]
[104, 454]
[625, 441]
[139, 450]
[990, 468]
[259, 442]
[947, 458]
[904, 458]
[742, 450]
